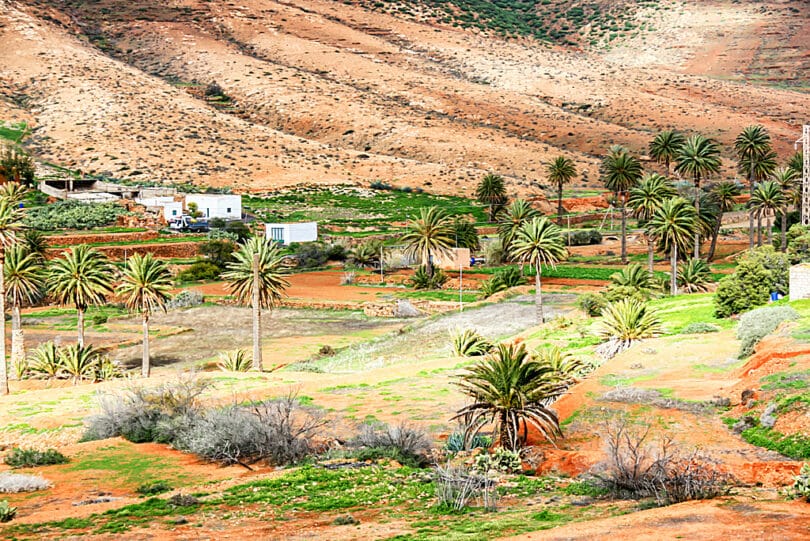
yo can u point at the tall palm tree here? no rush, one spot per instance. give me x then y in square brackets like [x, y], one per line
[763, 167]
[561, 171]
[674, 224]
[796, 163]
[256, 277]
[430, 233]
[698, 158]
[25, 284]
[751, 145]
[645, 199]
[724, 194]
[767, 199]
[82, 277]
[787, 179]
[491, 191]
[539, 242]
[621, 171]
[511, 218]
[145, 286]
[10, 223]
[666, 146]
[512, 391]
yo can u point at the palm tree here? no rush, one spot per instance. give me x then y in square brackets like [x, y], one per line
[491, 191]
[465, 235]
[25, 284]
[560, 172]
[724, 195]
[644, 200]
[621, 172]
[511, 218]
[9, 225]
[430, 233]
[767, 199]
[256, 277]
[82, 277]
[787, 178]
[512, 391]
[666, 146]
[699, 157]
[673, 224]
[750, 145]
[763, 167]
[796, 162]
[145, 286]
[539, 242]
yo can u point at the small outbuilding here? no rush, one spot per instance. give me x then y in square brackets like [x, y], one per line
[225, 206]
[295, 232]
[168, 206]
[454, 259]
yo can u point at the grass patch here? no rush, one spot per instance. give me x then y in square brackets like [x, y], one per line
[787, 380]
[795, 446]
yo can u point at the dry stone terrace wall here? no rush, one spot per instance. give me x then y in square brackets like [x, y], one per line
[180, 250]
[100, 238]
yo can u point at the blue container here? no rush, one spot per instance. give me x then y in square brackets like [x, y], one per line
[774, 296]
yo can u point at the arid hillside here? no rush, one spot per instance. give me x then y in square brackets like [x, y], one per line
[321, 91]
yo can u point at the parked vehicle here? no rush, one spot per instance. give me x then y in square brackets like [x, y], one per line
[189, 223]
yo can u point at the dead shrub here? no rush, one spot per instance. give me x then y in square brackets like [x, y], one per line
[457, 486]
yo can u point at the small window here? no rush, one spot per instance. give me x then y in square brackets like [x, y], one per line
[228, 210]
[174, 212]
[277, 233]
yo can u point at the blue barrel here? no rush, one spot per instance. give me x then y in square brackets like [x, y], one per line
[774, 296]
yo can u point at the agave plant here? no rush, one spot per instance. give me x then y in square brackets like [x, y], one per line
[568, 367]
[469, 343]
[107, 369]
[624, 322]
[234, 361]
[511, 391]
[492, 286]
[45, 361]
[79, 362]
[634, 276]
[421, 279]
[694, 276]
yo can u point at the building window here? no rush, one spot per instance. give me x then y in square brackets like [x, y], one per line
[277, 233]
[228, 210]
[174, 212]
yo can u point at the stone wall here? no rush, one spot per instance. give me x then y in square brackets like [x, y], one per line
[100, 238]
[184, 250]
[800, 282]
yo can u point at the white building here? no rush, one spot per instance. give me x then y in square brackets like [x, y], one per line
[289, 233]
[170, 208]
[227, 207]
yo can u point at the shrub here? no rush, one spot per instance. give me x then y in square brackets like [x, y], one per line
[638, 467]
[234, 361]
[199, 270]
[12, 483]
[218, 252]
[72, 215]
[456, 486]
[213, 90]
[757, 324]
[45, 361]
[798, 244]
[582, 237]
[421, 280]
[185, 299]
[699, 327]
[407, 445]
[316, 254]
[99, 319]
[567, 367]
[592, 304]
[492, 286]
[469, 343]
[633, 276]
[495, 253]
[694, 276]
[153, 489]
[801, 484]
[457, 441]
[79, 362]
[29, 458]
[7, 513]
[501, 460]
[624, 322]
[347, 279]
[511, 277]
[758, 273]
[16, 165]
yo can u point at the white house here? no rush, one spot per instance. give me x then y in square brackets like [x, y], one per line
[289, 233]
[171, 209]
[225, 206]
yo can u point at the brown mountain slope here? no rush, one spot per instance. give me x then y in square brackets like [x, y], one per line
[328, 92]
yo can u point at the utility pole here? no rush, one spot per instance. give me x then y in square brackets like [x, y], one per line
[460, 282]
[257, 317]
[382, 265]
[805, 141]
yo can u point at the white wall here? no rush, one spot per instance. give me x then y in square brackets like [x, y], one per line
[171, 209]
[228, 207]
[300, 232]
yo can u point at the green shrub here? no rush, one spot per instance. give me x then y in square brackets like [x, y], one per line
[201, 270]
[456, 442]
[29, 458]
[757, 324]
[7, 513]
[501, 460]
[72, 215]
[795, 446]
[699, 328]
[758, 273]
[153, 489]
[801, 484]
[592, 304]
[99, 319]
[469, 343]
[218, 252]
[582, 237]
[421, 280]
[185, 299]
[798, 238]
[316, 254]
[492, 286]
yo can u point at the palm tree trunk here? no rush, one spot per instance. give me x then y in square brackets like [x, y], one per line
[624, 233]
[715, 235]
[538, 295]
[559, 204]
[428, 264]
[673, 279]
[17, 342]
[759, 229]
[3, 366]
[505, 440]
[257, 317]
[697, 211]
[751, 211]
[650, 254]
[80, 326]
[783, 246]
[145, 359]
[770, 229]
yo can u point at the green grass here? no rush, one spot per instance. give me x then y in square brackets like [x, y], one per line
[127, 465]
[13, 131]
[441, 295]
[678, 312]
[560, 271]
[795, 446]
[787, 380]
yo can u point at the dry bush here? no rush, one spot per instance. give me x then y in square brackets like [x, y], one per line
[12, 483]
[639, 466]
[457, 486]
[402, 442]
